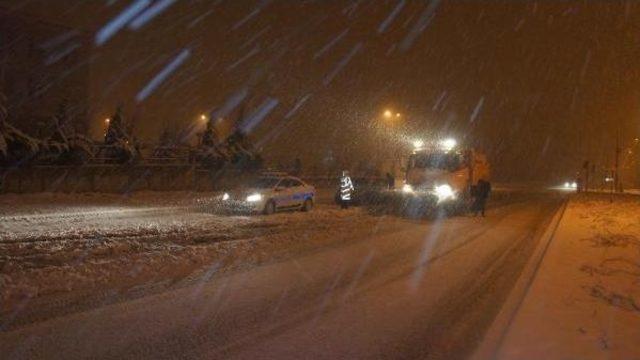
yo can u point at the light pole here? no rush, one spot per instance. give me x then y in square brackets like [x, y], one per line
[390, 132]
[616, 175]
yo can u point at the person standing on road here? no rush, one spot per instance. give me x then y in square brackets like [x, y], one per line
[391, 181]
[296, 170]
[346, 189]
[481, 194]
[579, 183]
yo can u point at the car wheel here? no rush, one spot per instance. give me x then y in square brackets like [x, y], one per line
[307, 205]
[270, 207]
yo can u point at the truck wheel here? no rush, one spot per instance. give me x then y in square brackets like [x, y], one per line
[270, 208]
[308, 205]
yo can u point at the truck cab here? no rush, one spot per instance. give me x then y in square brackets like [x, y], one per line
[448, 173]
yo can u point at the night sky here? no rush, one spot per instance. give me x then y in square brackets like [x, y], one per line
[541, 86]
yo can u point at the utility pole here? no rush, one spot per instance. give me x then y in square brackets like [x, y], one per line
[585, 166]
[616, 175]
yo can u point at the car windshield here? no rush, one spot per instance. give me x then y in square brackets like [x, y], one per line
[264, 183]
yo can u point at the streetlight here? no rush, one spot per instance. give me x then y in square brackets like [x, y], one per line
[203, 117]
[107, 121]
[388, 114]
[398, 115]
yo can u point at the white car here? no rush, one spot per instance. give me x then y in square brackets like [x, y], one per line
[271, 193]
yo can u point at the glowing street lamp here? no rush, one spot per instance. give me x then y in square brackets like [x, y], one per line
[203, 117]
[107, 121]
[398, 115]
[388, 114]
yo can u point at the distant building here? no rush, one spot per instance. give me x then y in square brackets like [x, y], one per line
[42, 64]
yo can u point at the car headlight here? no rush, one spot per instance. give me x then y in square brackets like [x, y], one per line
[574, 185]
[225, 196]
[444, 192]
[254, 197]
[406, 188]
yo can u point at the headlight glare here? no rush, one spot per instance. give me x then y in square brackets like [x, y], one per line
[444, 192]
[254, 197]
[225, 196]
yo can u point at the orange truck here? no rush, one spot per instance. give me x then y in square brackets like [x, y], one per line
[448, 172]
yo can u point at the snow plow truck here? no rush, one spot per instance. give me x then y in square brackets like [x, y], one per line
[445, 171]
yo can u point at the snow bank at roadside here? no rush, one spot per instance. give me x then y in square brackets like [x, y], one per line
[584, 302]
[56, 244]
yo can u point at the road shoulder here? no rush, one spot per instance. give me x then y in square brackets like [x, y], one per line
[584, 300]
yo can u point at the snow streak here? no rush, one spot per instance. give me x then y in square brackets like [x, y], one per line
[477, 109]
[439, 100]
[420, 25]
[163, 75]
[330, 44]
[59, 40]
[345, 60]
[253, 13]
[427, 249]
[117, 23]
[259, 114]
[254, 37]
[297, 106]
[55, 57]
[150, 13]
[254, 51]
[276, 131]
[350, 9]
[394, 13]
[232, 102]
[195, 21]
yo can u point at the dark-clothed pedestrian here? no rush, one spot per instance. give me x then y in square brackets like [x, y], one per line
[391, 181]
[579, 187]
[346, 190]
[481, 193]
[296, 170]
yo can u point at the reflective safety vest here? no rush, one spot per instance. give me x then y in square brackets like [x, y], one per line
[346, 187]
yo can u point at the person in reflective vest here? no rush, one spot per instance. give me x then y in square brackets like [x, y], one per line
[346, 190]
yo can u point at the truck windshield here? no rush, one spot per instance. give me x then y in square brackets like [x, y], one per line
[443, 161]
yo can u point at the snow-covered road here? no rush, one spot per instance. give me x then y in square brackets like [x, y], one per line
[330, 284]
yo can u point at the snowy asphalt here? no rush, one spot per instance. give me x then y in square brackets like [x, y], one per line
[394, 289]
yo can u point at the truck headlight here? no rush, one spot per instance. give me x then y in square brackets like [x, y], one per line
[444, 192]
[254, 197]
[406, 188]
[225, 196]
